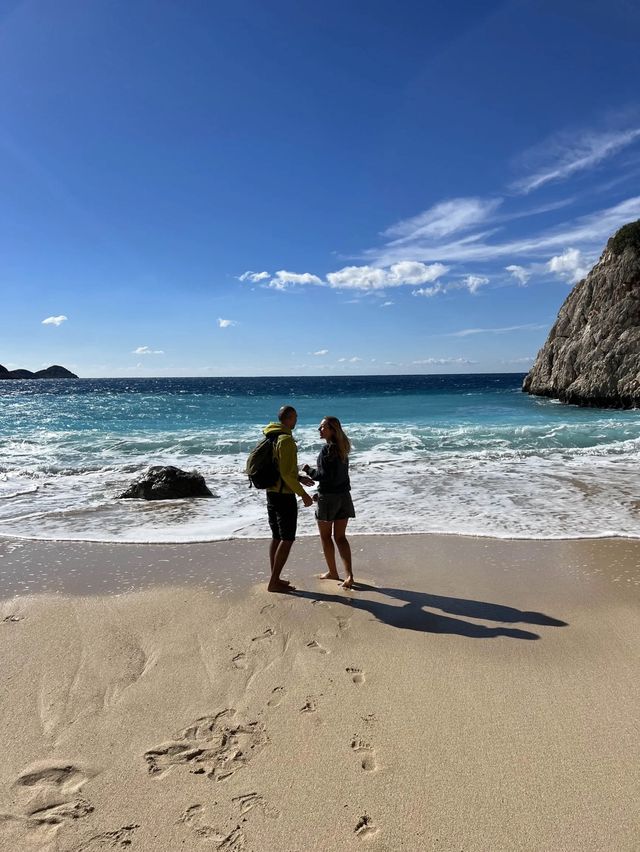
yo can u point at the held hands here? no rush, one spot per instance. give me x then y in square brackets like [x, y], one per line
[307, 500]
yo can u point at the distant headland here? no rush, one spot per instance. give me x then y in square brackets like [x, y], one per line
[53, 372]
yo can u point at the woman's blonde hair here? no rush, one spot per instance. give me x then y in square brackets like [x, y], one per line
[340, 439]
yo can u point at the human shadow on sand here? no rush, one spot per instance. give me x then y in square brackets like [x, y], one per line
[414, 616]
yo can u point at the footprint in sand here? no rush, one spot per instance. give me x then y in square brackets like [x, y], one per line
[51, 792]
[234, 841]
[266, 608]
[249, 801]
[110, 839]
[52, 775]
[266, 635]
[216, 746]
[357, 675]
[316, 646]
[277, 695]
[366, 755]
[309, 706]
[365, 827]
[240, 661]
[13, 619]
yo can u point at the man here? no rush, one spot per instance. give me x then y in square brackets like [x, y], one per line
[282, 506]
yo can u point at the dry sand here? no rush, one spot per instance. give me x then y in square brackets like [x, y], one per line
[469, 695]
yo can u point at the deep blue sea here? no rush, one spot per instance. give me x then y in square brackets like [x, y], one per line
[465, 454]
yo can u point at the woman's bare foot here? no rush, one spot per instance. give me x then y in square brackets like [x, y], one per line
[328, 575]
[280, 586]
[348, 583]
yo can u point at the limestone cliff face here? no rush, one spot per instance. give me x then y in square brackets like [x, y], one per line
[592, 354]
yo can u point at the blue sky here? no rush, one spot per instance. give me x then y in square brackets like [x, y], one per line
[204, 188]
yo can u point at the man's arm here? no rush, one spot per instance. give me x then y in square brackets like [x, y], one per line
[288, 464]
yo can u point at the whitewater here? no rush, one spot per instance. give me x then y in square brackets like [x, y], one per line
[467, 455]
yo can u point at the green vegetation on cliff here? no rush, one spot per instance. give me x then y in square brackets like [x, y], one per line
[627, 237]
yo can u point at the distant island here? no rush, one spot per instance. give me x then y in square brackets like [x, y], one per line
[53, 372]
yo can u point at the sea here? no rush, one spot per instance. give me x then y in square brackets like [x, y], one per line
[455, 454]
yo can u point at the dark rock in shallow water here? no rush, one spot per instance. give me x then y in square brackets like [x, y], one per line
[592, 354]
[167, 483]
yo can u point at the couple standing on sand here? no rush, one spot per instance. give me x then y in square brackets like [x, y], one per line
[334, 504]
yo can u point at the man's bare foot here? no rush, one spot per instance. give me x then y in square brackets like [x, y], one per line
[348, 583]
[281, 586]
[328, 575]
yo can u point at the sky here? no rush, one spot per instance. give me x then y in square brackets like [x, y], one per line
[200, 188]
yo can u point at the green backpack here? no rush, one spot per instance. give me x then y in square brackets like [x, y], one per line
[262, 466]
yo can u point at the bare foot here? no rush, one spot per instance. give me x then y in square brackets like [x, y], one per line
[280, 586]
[328, 576]
[348, 583]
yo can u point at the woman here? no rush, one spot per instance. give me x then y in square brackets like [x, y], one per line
[335, 506]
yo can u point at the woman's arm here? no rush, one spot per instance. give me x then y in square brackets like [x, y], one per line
[324, 469]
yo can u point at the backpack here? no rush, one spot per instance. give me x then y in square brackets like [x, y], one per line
[262, 467]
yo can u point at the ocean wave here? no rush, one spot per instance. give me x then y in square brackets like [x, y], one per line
[476, 458]
[504, 497]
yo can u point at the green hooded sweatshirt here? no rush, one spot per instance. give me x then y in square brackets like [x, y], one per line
[286, 453]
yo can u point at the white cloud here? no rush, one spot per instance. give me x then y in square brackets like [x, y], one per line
[146, 350]
[465, 332]
[442, 361]
[402, 273]
[386, 304]
[282, 280]
[226, 323]
[569, 265]
[254, 276]
[321, 352]
[563, 156]
[54, 320]
[428, 291]
[590, 232]
[358, 278]
[519, 273]
[443, 219]
[354, 360]
[474, 282]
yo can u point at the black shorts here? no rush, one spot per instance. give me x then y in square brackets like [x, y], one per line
[335, 507]
[283, 515]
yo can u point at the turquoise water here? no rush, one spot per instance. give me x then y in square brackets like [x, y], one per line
[459, 454]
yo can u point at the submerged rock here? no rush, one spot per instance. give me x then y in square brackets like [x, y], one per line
[167, 483]
[592, 354]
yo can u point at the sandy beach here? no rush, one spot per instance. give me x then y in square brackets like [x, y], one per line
[470, 694]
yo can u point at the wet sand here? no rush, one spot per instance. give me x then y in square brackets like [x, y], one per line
[158, 698]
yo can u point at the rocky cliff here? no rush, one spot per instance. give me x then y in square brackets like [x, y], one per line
[592, 354]
[53, 372]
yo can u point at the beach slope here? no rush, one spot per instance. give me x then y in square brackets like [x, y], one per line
[470, 694]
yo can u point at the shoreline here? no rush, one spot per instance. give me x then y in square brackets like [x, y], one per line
[32, 566]
[308, 536]
[468, 694]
